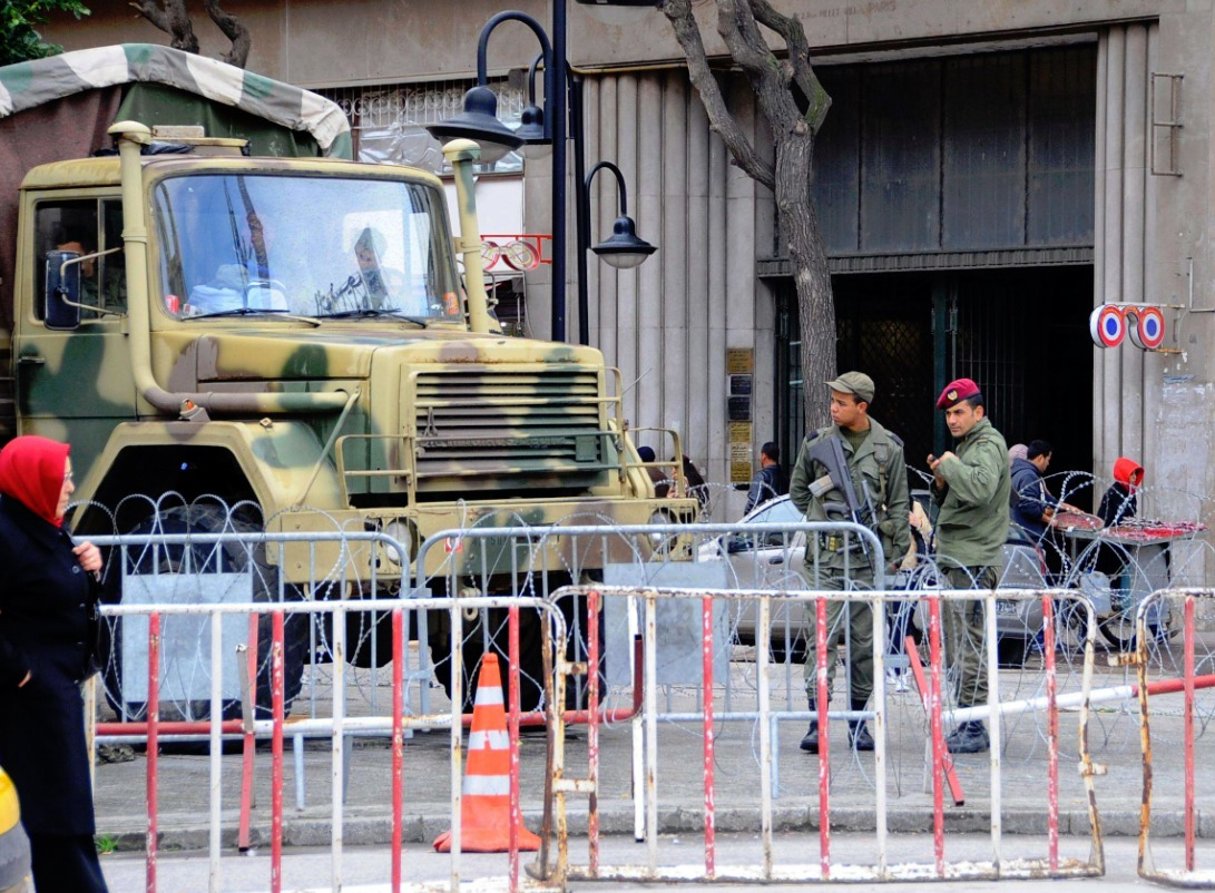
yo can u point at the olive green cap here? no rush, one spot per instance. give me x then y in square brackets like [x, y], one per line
[857, 383]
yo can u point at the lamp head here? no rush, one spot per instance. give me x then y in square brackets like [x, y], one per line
[623, 249]
[479, 122]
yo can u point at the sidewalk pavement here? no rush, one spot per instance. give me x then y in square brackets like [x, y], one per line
[121, 801]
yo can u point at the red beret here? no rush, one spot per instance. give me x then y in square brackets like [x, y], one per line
[957, 391]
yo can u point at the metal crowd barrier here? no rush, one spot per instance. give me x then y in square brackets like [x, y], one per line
[1191, 685]
[337, 726]
[764, 869]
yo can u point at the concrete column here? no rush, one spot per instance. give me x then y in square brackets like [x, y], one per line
[646, 187]
[714, 381]
[1134, 213]
[672, 256]
[626, 282]
[1108, 242]
[593, 124]
[1125, 203]
[699, 269]
[604, 293]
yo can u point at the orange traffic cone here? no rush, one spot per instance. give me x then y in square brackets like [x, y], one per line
[485, 806]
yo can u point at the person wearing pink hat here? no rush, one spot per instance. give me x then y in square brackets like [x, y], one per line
[971, 484]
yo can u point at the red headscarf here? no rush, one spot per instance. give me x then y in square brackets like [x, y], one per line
[31, 472]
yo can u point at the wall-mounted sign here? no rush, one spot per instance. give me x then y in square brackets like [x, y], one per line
[1109, 324]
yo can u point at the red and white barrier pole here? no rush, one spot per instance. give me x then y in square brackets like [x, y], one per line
[821, 704]
[398, 744]
[1188, 678]
[1052, 729]
[1075, 699]
[153, 710]
[938, 742]
[592, 732]
[512, 719]
[706, 653]
[276, 755]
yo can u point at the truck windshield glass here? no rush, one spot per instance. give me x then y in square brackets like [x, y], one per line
[317, 247]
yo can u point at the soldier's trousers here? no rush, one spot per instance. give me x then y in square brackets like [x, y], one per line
[857, 619]
[965, 633]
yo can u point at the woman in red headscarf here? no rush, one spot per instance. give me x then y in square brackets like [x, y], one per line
[48, 626]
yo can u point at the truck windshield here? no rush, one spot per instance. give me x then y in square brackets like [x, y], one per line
[313, 246]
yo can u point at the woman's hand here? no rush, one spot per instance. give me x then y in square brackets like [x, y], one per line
[89, 557]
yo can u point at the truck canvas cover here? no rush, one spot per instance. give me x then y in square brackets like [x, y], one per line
[76, 96]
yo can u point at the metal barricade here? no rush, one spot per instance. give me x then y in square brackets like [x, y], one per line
[764, 867]
[1195, 713]
[394, 725]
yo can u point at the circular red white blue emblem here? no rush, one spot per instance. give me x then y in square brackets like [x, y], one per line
[1107, 326]
[1148, 331]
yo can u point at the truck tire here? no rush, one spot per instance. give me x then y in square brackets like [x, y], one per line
[199, 518]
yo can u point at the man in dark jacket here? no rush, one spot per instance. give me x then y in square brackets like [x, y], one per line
[1031, 502]
[771, 480]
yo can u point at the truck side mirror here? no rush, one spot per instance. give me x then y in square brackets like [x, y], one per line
[62, 292]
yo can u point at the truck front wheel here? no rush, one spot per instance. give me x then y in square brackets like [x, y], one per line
[188, 573]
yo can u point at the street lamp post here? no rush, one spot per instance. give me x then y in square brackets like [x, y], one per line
[562, 98]
[623, 249]
[471, 123]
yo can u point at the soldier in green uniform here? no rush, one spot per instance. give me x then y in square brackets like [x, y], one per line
[971, 486]
[875, 464]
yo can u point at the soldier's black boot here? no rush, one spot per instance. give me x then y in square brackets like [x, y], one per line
[809, 742]
[969, 737]
[858, 734]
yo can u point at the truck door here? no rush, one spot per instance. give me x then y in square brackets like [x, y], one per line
[75, 385]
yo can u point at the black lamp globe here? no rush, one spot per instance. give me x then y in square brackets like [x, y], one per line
[479, 123]
[536, 141]
[623, 249]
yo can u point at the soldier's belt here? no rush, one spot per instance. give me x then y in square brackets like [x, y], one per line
[834, 542]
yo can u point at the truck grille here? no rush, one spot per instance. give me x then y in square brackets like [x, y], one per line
[491, 429]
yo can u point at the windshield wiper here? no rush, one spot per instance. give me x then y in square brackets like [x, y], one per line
[254, 311]
[371, 313]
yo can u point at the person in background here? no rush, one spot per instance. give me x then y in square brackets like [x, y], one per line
[1017, 451]
[696, 481]
[1120, 501]
[48, 636]
[662, 483]
[771, 481]
[1031, 508]
[972, 486]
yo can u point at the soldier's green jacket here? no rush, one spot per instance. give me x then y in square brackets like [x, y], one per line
[877, 466]
[972, 524]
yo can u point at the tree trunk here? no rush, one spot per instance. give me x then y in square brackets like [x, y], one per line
[799, 227]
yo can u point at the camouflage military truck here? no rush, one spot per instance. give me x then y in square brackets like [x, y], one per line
[251, 315]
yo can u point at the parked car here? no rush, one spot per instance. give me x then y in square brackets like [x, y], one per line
[775, 561]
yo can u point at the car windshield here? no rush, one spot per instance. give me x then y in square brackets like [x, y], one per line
[350, 248]
[778, 511]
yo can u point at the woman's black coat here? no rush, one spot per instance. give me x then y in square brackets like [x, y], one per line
[48, 628]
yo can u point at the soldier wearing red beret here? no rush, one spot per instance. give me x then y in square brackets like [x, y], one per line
[971, 485]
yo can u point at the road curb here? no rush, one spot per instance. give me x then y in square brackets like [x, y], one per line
[365, 828]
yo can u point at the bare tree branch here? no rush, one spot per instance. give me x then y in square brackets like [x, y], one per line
[679, 13]
[791, 31]
[794, 104]
[171, 17]
[234, 30]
